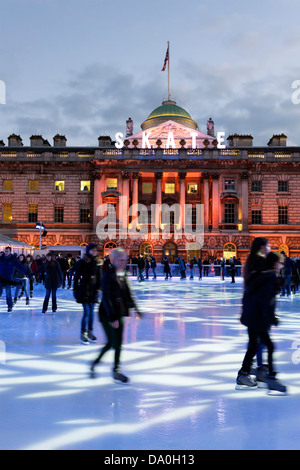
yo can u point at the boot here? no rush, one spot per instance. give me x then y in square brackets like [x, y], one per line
[84, 338]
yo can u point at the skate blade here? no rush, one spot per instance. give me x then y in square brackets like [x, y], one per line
[277, 393]
[245, 387]
[262, 384]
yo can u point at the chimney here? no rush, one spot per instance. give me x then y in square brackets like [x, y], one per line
[59, 141]
[15, 141]
[278, 141]
[237, 140]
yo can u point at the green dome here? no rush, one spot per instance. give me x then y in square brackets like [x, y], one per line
[169, 111]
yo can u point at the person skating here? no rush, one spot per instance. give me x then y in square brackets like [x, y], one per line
[87, 284]
[53, 280]
[117, 300]
[259, 315]
[153, 266]
[9, 264]
[23, 279]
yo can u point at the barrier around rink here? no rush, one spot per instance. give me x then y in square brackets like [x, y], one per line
[212, 270]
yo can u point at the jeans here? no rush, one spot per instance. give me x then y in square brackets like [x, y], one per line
[154, 273]
[287, 285]
[114, 340]
[8, 296]
[253, 347]
[24, 285]
[87, 321]
[47, 297]
[141, 274]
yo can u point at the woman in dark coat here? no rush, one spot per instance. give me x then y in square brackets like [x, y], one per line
[259, 315]
[87, 286]
[53, 280]
[117, 299]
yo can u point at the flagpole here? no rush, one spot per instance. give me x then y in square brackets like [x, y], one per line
[169, 95]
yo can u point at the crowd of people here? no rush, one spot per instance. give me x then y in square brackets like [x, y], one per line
[265, 274]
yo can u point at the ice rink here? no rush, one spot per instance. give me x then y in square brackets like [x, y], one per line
[182, 359]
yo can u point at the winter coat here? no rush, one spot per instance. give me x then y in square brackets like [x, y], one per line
[53, 274]
[117, 298]
[87, 280]
[9, 266]
[181, 265]
[21, 275]
[153, 263]
[259, 299]
[167, 268]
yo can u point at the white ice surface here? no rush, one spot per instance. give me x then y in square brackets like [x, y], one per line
[182, 359]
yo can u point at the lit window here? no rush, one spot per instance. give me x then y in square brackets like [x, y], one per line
[7, 185]
[147, 188]
[111, 183]
[6, 213]
[59, 185]
[32, 213]
[170, 188]
[33, 185]
[85, 185]
[192, 188]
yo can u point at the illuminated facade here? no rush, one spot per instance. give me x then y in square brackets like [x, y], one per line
[246, 191]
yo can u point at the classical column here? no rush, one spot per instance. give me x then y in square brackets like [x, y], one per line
[215, 201]
[206, 200]
[99, 180]
[158, 201]
[244, 200]
[182, 176]
[124, 208]
[135, 193]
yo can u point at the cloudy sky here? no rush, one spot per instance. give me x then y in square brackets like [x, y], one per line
[82, 67]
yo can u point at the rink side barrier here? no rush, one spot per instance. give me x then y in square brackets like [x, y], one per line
[214, 270]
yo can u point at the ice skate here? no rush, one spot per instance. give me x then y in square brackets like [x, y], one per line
[244, 382]
[261, 377]
[275, 387]
[91, 336]
[118, 377]
[84, 338]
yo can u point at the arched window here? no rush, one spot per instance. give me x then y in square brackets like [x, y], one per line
[146, 249]
[193, 250]
[109, 246]
[284, 248]
[229, 250]
[170, 250]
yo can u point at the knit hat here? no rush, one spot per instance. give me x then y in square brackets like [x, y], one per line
[90, 247]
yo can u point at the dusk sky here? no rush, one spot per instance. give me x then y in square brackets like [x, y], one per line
[82, 67]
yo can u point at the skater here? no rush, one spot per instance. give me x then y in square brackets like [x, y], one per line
[8, 266]
[182, 268]
[223, 266]
[200, 268]
[141, 266]
[23, 279]
[287, 275]
[232, 270]
[259, 315]
[87, 284]
[153, 266]
[32, 267]
[117, 299]
[167, 269]
[53, 280]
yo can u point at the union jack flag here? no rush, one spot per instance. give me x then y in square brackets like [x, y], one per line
[166, 60]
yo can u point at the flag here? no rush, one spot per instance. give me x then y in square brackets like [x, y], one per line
[166, 60]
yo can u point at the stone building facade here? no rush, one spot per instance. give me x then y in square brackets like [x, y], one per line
[246, 191]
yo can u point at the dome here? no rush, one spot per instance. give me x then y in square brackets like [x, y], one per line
[166, 112]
